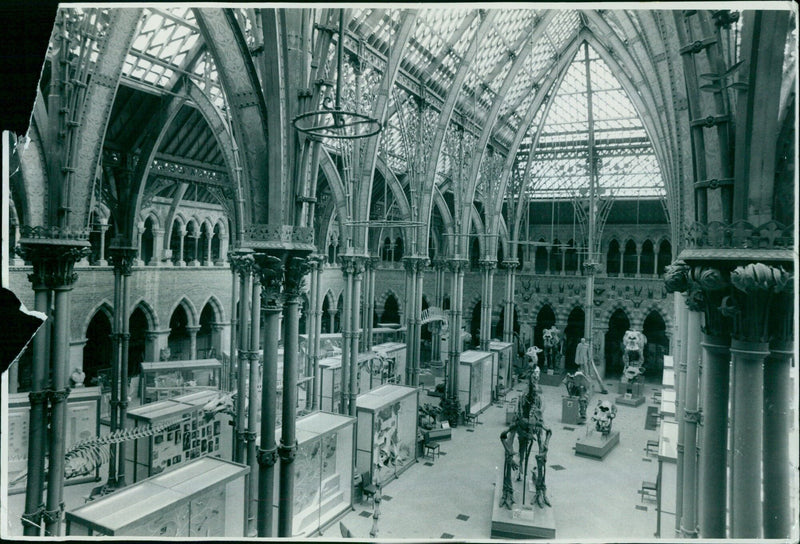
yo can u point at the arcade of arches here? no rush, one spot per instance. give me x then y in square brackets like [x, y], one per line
[511, 174]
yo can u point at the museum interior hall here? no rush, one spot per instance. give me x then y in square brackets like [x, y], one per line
[404, 271]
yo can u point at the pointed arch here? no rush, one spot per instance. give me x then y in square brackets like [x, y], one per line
[217, 308]
[150, 314]
[191, 311]
[103, 306]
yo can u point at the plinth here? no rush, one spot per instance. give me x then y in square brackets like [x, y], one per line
[595, 445]
[570, 410]
[630, 394]
[522, 521]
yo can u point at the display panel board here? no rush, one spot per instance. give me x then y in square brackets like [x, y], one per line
[168, 379]
[475, 381]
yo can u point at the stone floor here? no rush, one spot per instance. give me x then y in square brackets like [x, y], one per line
[451, 496]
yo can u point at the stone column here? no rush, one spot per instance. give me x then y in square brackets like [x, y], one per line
[270, 273]
[207, 261]
[232, 366]
[123, 258]
[216, 338]
[311, 332]
[638, 262]
[680, 385]
[691, 419]
[137, 261]
[332, 318]
[410, 302]
[195, 261]
[457, 267]
[370, 317]
[508, 323]
[242, 262]
[158, 247]
[193, 341]
[488, 267]
[182, 236]
[296, 269]
[223, 250]
[755, 287]
[778, 408]
[53, 253]
[253, 404]
[102, 260]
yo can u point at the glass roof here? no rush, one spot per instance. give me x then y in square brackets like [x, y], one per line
[626, 164]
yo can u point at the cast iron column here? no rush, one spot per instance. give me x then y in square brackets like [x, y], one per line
[242, 261]
[680, 396]
[253, 404]
[37, 419]
[421, 263]
[355, 320]
[53, 253]
[691, 417]
[234, 329]
[296, 269]
[122, 258]
[345, 322]
[271, 277]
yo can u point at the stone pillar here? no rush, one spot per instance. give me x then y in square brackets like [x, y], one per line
[207, 261]
[457, 268]
[311, 332]
[195, 261]
[102, 260]
[372, 263]
[680, 398]
[182, 236]
[216, 338]
[508, 323]
[53, 253]
[137, 261]
[232, 366]
[414, 265]
[243, 263]
[158, 247]
[253, 406]
[777, 505]
[638, 262]
[192, 330]
[296, 269]
[691, 417]
[151, 346]
[332, 318]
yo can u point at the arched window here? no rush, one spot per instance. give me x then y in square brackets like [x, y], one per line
[664, 256]
[612, 259]
[146, 251]
[97, 352]
[555, 257]
[391, 310]
[398, 249]
[474, 253]
[215, 243]
[629, 259]
[571, 258]
[648, 259]
[541, 257]
[386, 249]
[175, 242]
[178, 339]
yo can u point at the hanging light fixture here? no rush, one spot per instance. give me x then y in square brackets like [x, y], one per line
[333, 121]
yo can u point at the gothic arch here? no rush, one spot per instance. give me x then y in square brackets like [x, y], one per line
[103, 306]
[217, 307]
[191, 311]
[152, 316]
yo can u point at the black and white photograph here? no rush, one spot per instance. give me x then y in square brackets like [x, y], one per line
[399, 271]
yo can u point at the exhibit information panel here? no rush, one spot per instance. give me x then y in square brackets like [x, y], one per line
[202, 499]
[160, 381]
[504, 351]
[394, 365]
[182, 433]
[386, 435]
[83, 423]
[475, 381]
[323, 471]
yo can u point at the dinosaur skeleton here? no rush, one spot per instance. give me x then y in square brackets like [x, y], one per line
[87, 456]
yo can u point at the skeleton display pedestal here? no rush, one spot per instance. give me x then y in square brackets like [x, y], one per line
[631, 386]
[571, 410]
[522, 520]
[600, 439]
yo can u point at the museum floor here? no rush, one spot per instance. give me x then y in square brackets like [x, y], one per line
[451, 496]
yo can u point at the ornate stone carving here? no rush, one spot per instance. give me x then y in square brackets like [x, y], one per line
[415, 263]
[122, 258]
[269, 271]
[287, 453]
[268, 457]
[294, 276]
[53, 259]
[242, 261]
[755, 286]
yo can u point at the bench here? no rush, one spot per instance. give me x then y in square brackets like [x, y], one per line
[649, 489]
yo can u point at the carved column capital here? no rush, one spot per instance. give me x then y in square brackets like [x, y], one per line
[353, 264]
[53, 253]
[122, 258]
[269, 271]
[287, 453]
[242, 261]
[487, 264]
[755, 289]
[457, 265]
[511, 265]
[295, 271]
[415, 263]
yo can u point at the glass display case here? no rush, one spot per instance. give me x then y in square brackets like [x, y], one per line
[504, 352]
[393, 367]
[323, 471]
[386, 436]
[83, 423]
[330, 371]
[202, 499]
[183, 432]
[475, 380]
[159, 381]
[382, 335]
